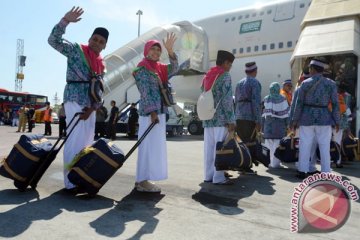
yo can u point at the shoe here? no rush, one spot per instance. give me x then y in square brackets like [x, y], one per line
[301, 175]
[225, 182]
[248, 171]
[314, 172]
[74, 190]
[207, 181]
[339, 165]
[146, 186]
[227, 175]
[17, 131]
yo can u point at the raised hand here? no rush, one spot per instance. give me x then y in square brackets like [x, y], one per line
[74, 14]
[169, 43]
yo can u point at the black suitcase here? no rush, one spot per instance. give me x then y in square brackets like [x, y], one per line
[30, 158]
[96, 164]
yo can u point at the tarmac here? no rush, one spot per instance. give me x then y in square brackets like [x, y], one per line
[255, 207]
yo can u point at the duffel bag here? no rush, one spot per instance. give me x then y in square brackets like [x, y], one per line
[259, 153]
[350, 147]
[94, 165]
[232, 154]
[288, 149]
[25, 157]
[334, 151]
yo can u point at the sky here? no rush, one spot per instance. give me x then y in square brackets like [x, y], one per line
[33, 20]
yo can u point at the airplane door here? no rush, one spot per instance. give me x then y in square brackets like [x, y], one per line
[285, 11]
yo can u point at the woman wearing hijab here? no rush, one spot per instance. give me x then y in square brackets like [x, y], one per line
[275, 120]
[152, 159]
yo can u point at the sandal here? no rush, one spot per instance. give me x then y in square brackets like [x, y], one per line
[146, 186]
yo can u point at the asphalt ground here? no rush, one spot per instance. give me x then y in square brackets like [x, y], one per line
[255, 207]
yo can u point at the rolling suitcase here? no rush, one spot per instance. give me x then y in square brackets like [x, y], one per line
[30, 158]
[95, 165]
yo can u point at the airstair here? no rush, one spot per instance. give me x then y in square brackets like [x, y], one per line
[191, 48]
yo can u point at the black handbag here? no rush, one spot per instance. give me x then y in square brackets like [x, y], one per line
[232, 154]
[167, 93]
[96, 90]
[288, 149]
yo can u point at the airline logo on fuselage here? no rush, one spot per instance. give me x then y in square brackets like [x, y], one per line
[250, 27]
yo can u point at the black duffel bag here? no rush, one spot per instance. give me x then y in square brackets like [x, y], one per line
[334, 151]
[350, 147]
[258, 152]
[288, 149]
[232, 154]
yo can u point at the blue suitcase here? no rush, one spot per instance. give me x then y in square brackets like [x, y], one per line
[25, 158]
[95, 165]
[30, 158]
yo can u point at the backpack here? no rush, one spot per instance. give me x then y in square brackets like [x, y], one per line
[206, 103]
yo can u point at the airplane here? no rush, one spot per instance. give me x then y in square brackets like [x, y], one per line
[273, 35]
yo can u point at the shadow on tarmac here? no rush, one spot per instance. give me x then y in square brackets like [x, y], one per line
[287, 174]
[135, 206]
[225, 199]
[17, 220]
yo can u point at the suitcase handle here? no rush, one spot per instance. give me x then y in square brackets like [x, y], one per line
[44, 165]
[140, 140]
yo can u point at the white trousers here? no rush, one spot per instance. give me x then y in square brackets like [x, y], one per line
[272, 144]
[337, 136]
[308, 136]
[314, 157]
[82, 136]
[152, 155]
[212, 135]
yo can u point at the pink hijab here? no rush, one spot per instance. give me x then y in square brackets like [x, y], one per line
[158, 68]
[211, 76]
[95, 60]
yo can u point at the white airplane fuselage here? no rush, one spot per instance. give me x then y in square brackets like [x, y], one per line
[266, 35]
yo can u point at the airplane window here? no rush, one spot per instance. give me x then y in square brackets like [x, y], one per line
[281, 44]
[264, 47]
[253, 15]
[272, 46]
[248, 49]
[227, 20]
[256, 48]
[289, 44]
[269, 11]
[239, 17]
[247, 16]
[302, 5]
[241, 50]
[233, 18]
[261, 13]
[234, 51]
